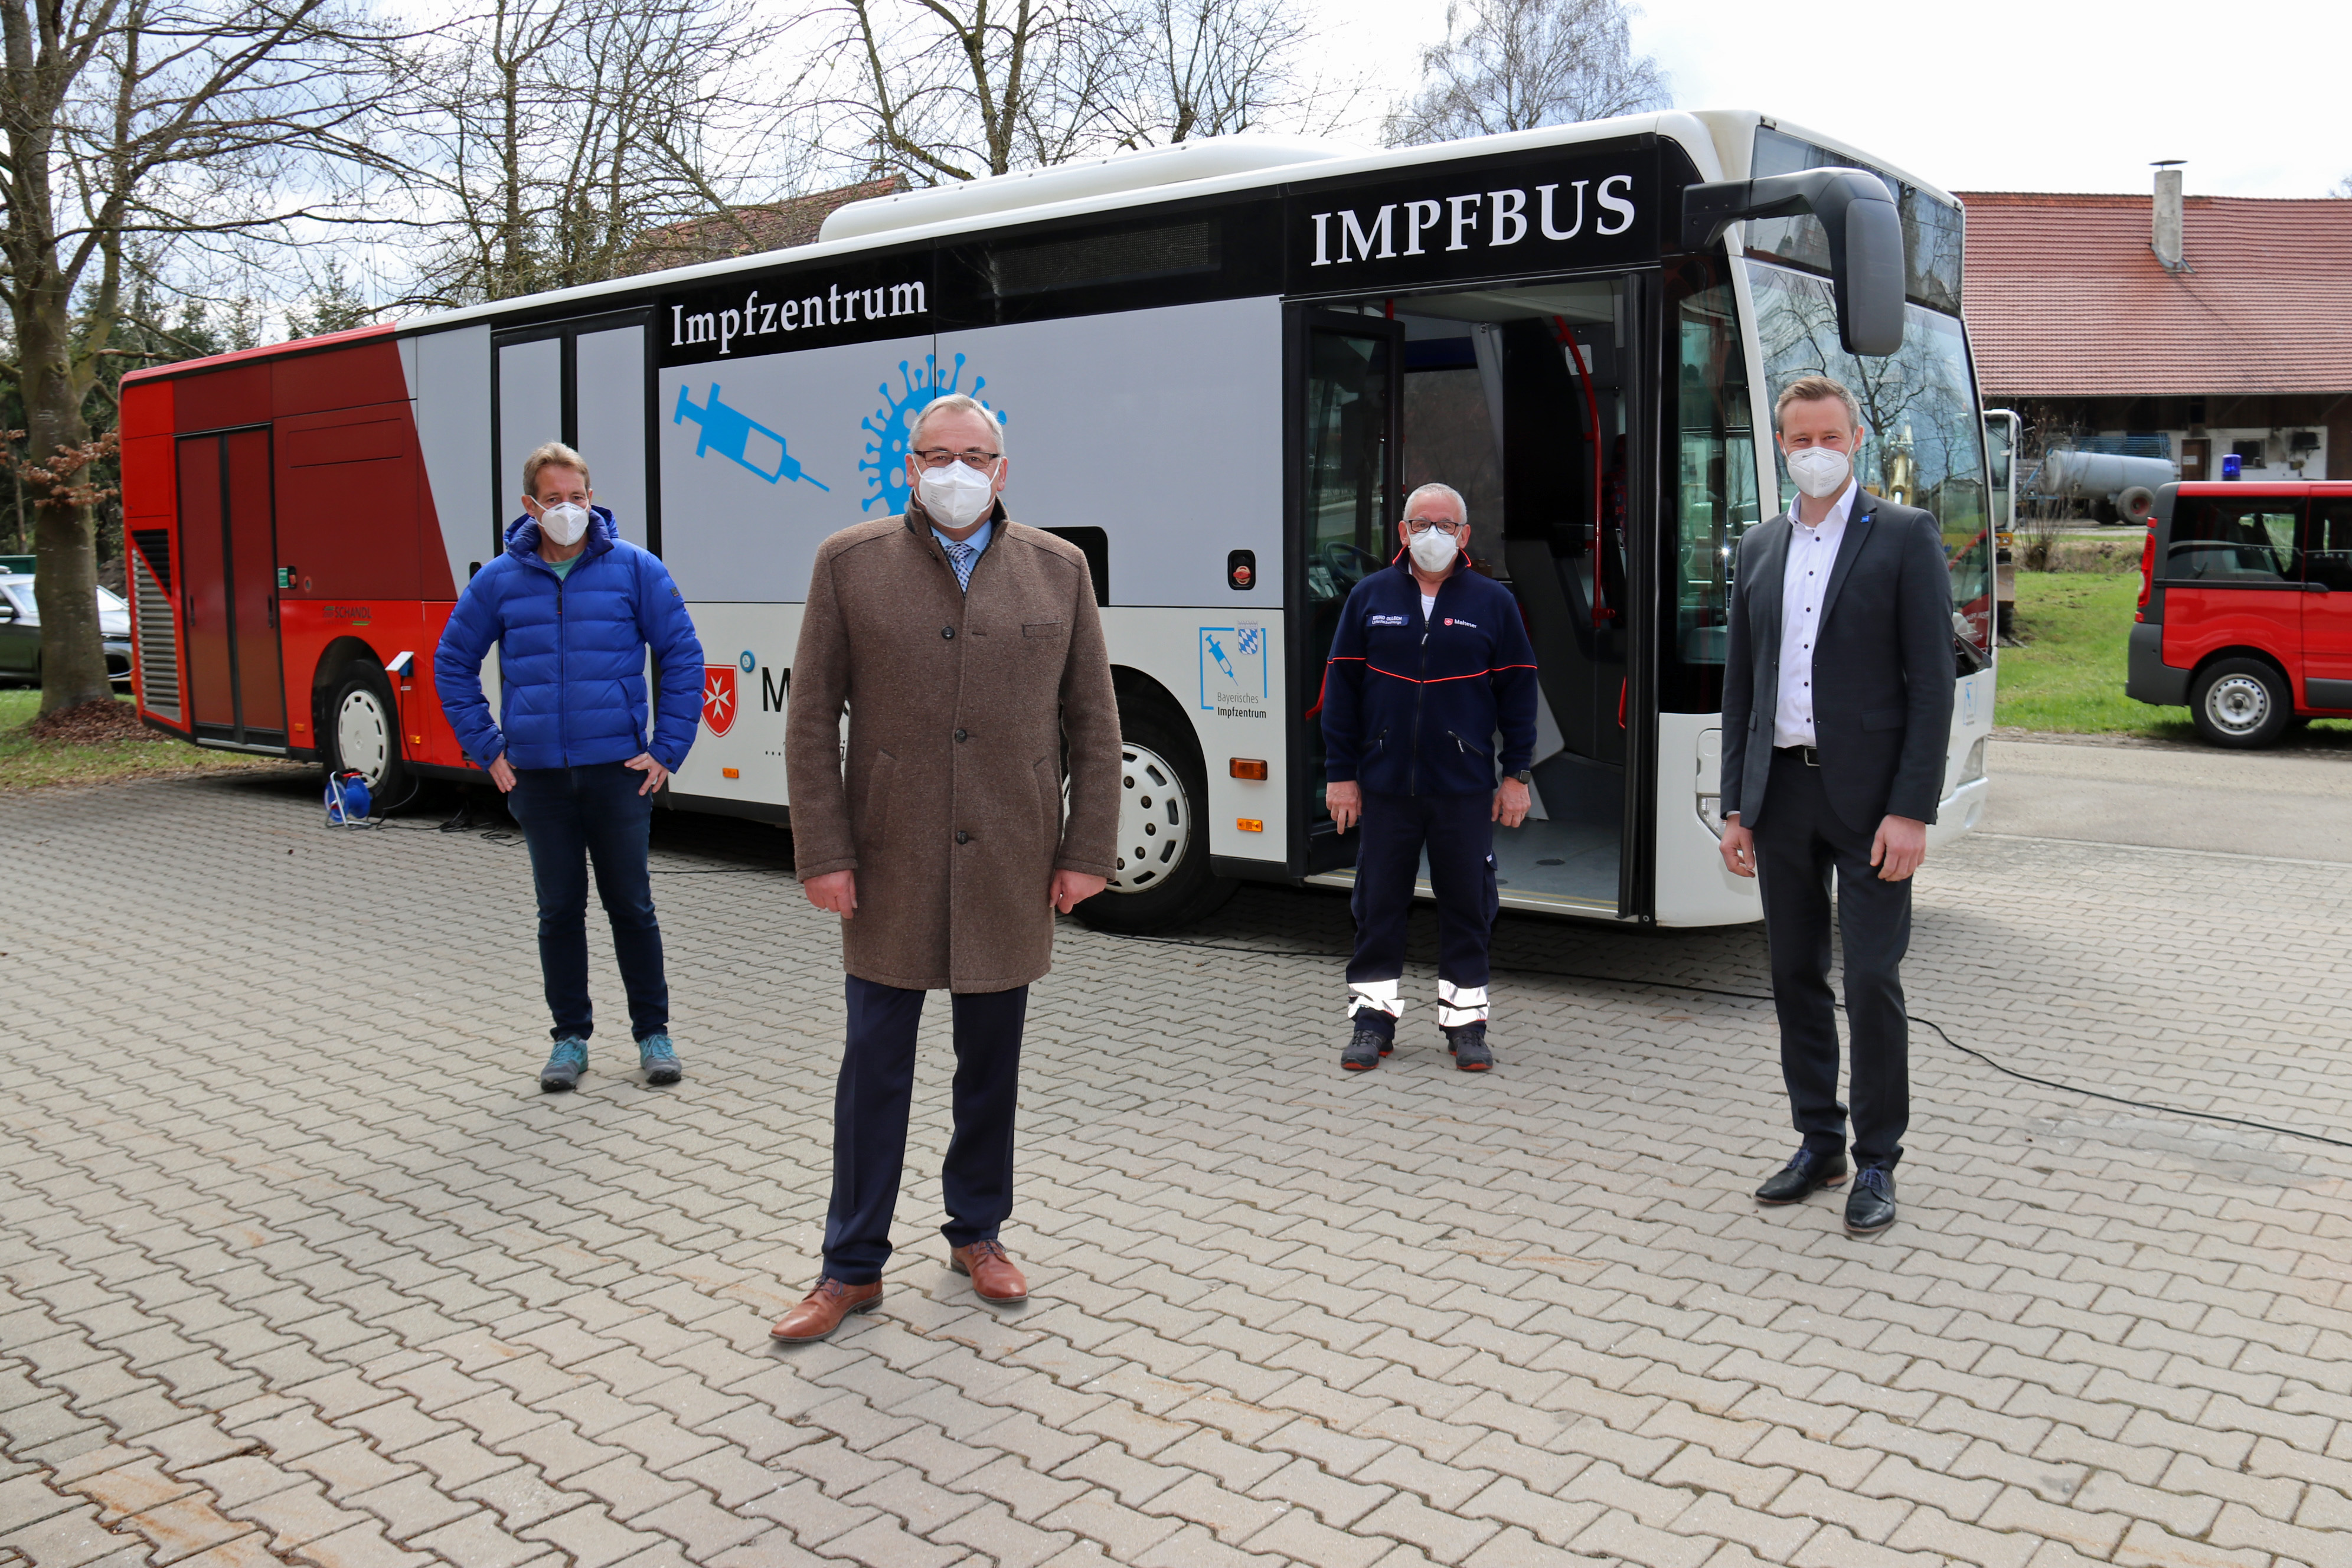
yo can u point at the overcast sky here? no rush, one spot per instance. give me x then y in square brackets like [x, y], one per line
[2007, 95]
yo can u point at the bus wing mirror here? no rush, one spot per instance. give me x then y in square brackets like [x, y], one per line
[1863, 228]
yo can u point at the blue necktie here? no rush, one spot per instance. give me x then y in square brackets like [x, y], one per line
[961, 557]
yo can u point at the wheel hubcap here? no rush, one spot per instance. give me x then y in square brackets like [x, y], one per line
[1155, 820]
[363, 737]
[2237, 703]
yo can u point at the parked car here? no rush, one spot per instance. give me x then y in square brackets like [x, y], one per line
[20, 632]
[2245, 607]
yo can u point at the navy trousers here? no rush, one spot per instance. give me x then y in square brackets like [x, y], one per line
[1799, 842]
[572, 818]
[870, 1108]
[1458, 832]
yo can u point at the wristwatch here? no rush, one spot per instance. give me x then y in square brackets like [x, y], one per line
[1525, 775]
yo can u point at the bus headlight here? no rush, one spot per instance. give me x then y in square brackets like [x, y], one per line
[1973, 768]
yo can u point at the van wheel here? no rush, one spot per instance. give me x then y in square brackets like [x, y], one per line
[1163, 878]
[2240, 702]
[364, 734]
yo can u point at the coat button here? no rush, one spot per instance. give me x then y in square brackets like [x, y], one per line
[948, 632]
[960, 735]
[962, 836]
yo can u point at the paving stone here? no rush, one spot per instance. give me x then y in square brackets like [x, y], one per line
[390, 1305]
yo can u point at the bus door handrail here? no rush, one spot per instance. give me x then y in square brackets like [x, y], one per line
[1592, 416]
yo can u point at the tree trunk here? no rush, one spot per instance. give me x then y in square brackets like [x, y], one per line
[73, 659]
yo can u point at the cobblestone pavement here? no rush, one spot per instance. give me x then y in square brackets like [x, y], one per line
[296, 1264]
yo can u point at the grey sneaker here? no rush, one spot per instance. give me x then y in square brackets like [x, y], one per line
[564, 1065]
[1364, 1051]
[659, 1060]
[1468, 1045]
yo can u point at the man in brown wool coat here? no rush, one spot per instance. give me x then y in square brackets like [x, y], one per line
[968, 653]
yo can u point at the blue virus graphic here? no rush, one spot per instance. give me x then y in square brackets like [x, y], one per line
[885, 463]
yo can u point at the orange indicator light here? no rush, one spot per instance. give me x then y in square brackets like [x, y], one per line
[1249, 824]
[1249, 768]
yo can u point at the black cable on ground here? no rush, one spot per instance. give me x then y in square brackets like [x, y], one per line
[1765, 996]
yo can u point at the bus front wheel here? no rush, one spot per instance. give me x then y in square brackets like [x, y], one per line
[1162, 876]
[364, 734]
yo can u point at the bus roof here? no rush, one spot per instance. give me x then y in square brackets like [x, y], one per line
[1720, 142]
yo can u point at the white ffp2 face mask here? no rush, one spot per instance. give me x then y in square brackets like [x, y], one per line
[1433, 552]
[1820, 471]
[564, 523]
[957, 495]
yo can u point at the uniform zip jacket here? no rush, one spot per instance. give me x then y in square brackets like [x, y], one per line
[1403, 693]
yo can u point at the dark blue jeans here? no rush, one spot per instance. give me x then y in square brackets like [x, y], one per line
[870, 1108]
[572, 818]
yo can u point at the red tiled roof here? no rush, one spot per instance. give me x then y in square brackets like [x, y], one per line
[2066, 299]
[744, 231]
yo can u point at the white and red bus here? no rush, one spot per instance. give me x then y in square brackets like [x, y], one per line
[1220, 367]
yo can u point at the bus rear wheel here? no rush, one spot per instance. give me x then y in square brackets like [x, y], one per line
[364, 734]
[2241, 703]
[1162, 876]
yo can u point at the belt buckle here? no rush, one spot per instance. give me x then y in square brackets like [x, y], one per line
[1813, 756]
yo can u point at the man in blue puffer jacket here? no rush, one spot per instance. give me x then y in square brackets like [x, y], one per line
[572, 607]
[1430, 664]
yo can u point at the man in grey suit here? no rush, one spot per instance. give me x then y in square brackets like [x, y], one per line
[1837, 716]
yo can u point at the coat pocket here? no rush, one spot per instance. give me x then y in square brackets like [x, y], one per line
[1049, 803]
[874, 811]
[1052, 630]
[1466, 744]
[1884, 718]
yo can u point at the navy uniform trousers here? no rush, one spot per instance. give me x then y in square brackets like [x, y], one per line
[1458, 832]
[1799, 841]
[870, 1108]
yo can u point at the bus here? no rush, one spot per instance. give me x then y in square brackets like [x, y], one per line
[1220, 367]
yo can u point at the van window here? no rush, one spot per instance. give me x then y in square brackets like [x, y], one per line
[2327, 557]
[2234, 541]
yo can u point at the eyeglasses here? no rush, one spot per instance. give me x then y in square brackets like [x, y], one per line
[940, 458]
[1417, 526]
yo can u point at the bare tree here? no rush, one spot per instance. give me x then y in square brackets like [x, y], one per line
[1211, 68]
[941, 90]
[136, 124]
[952, 89]
[554, 134]
[1513, 65]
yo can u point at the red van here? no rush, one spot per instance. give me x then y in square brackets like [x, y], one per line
[2245, 607]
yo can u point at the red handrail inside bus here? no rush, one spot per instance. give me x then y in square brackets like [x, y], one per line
[1592, 416]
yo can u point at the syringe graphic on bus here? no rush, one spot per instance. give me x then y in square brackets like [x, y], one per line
[1218, 653]
[730, 433]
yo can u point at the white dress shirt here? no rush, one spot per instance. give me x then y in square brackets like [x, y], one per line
[1803, 583]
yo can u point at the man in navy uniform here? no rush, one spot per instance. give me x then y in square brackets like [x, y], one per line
[1837, 718]
[1431, 663]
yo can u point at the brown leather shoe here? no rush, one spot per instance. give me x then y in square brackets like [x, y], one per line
[994, 1275]
[822, 1312]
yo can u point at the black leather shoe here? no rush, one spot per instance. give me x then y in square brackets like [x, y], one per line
[1364, 1051]
[1805, 1175]
[1870, 1207]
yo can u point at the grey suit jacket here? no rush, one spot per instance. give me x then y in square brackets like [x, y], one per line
[1883, 667]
